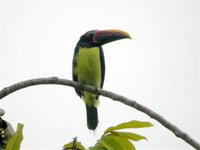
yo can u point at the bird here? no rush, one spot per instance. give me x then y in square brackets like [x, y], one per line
[88, 67]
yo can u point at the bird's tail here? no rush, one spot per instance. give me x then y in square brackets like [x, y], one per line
[92, 117]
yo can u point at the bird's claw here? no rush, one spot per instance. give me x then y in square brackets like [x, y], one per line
[81, 89]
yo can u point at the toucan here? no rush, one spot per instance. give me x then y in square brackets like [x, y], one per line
[88, 67]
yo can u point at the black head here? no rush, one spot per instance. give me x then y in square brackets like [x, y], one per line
[86, 40]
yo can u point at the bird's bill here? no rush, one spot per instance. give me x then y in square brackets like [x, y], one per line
[107, 36]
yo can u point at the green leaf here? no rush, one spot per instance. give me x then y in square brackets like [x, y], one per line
[129, 136]
[112, 142]
[109, 143]
[70, 145]
[97, 147]
[15, 141]
[131, 124]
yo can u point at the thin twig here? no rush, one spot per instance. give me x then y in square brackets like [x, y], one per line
[54, 80]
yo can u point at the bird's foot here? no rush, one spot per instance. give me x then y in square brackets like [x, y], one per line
[97, 90]
[81, 89]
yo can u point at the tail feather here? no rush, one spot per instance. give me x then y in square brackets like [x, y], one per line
[92, 117]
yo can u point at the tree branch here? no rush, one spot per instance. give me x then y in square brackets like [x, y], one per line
[54, 80]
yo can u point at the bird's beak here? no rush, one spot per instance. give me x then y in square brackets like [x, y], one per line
[106, 36]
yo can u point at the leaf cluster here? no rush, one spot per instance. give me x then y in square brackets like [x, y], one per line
[115, 139]
[15, 140]
[112, 139]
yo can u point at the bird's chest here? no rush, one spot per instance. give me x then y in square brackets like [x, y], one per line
[89, 66]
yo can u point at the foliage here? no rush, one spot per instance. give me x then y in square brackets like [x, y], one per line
[15, 141]
[112, 139]
[74, 145]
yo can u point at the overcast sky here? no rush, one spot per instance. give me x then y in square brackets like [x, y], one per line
[158, 68]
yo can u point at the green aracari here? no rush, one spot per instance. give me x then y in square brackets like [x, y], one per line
[89, 67]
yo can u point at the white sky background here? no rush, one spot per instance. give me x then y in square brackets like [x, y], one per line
[158, 68]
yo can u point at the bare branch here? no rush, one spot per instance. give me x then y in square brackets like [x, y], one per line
[54, 80]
